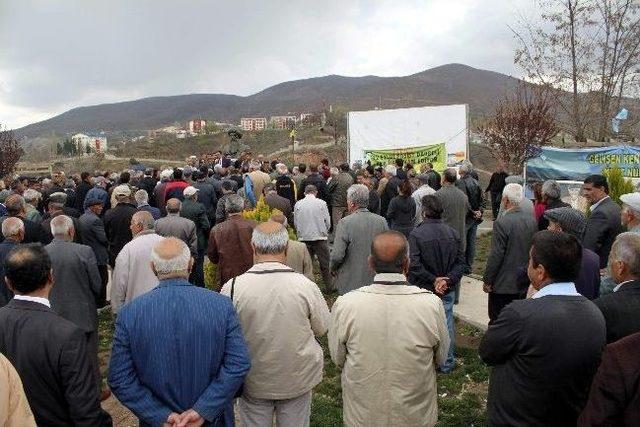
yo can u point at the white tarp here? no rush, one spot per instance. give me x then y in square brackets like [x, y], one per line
[409, 127]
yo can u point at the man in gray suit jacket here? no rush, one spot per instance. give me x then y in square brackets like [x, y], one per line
[512, 234]
[603, 225]
[352, 244]
[173, 225]
[93, 235]
[77, 284]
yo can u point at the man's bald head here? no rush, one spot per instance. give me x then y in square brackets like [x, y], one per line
[171, 258]
[279, 218]
[389, 253]
[13, 229]
[173, 206]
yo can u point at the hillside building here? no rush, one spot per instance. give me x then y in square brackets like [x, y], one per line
[283, 122]
[97, 143]
[196, 126]
[253, 123]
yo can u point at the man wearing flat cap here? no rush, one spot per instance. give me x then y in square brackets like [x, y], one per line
[56, 208]
[572, 221]
[630, 213]
[118, 220]
[94, 236]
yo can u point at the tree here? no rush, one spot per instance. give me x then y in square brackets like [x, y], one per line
[521, 123]
[10, 152]
[211, 127]
[590, 48]
[337, 119]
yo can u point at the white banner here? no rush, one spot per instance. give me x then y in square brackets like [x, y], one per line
[409, 127]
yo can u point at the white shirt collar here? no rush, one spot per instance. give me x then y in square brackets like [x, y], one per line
[560, 288]
[389, 277]
[620, 284]
[39, 300]
[595, 205]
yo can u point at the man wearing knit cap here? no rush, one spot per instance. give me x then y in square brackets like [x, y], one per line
[572, 221]
[630, 214]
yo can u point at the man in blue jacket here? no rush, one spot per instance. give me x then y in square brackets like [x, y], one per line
[178, 351]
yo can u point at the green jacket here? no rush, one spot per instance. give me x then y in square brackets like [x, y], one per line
[196, 212]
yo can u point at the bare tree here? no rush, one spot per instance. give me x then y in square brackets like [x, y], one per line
[520, 125]
[10, 152]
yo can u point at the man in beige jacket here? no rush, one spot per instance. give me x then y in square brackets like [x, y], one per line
[14, 407]
[298, 256]
[281, 313]
[388, 339]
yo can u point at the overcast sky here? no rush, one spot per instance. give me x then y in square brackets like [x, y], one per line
[57, 55]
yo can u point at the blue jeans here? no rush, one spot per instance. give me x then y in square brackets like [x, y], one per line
[447, 301]
[470, 254]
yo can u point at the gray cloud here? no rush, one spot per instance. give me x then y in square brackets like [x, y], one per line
[58, 55]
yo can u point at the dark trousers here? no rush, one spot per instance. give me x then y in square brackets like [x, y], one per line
[197, 273]
[496, 197]
[104, 279]
[320, 249]
[499, 301]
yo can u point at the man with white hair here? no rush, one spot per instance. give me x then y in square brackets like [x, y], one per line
[285, 185]
[352, 244]
[33, 233]
[13, 232]
[511, 241]
[286, 358]
[620, 308]
[142, 200]
[258, 178]
[193, 380]
[133, 275]
[551, 198]
[160, 192]
[77, 284]
[390, 189]
[32, 197]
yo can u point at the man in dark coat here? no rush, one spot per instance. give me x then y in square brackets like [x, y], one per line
[614, 399]
[495, 187]
[317, 180]
[48, 351]
[621, 308]
[511, 240]
[78, 284]
[195, 211]
[275, 201]
[148, 184]
[94, 236]
[390, 189]
[604, 223]
[285, 185]
[13, 231]
[82, 190]
[437, 263]
[57, 208]
[207, 194]
[551, 198]
[545, 350]
[117, 221]
[33, 232]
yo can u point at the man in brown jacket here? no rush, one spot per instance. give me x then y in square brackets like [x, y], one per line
[230, 241]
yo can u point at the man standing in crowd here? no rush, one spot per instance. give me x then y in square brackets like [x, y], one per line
[142, 202]
[337, 189]
[620, 308]
[82, 190]
[57, 208]
[630, 213]
[551, 198]
[94, 236]
[495, 187]
[98, 192]
[117, 221]
[276, 201]
[206, 194]
[285, 186]
[33, 233]
[48, 351]
[545, 350]
[390, 189]
[511, 240]
[614, 399]
[352, 245]
[286, 358]
[192, 381]
[389, 373]
[78, 284]
[175, 187]
[173, 225]
[312, 224]
[603, 224]
[227, 189]
[299, 177]
[418, 195]
[437, 263]
[160, 192]
[195, 211]
[470, 187]
[314, 178]
[132, 275]
[573, 222]
[434, 178]
[148, 184]
[258, 178]
[298, 257]
[230, 241]
[13, 232]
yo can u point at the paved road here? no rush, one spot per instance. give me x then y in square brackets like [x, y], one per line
[472, 307]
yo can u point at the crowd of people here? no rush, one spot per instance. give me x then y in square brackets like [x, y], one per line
[394, 242]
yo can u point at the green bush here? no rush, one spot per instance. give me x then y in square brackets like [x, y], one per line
[618, 184]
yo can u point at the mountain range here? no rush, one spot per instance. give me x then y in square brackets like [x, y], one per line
[446, 84]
